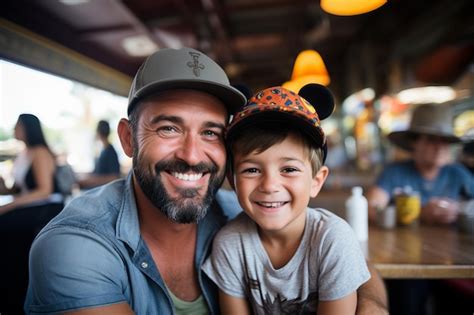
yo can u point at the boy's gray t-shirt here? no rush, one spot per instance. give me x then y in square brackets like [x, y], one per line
[328, 265]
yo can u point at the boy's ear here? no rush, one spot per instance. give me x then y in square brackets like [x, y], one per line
[318, 181]
[125, 135]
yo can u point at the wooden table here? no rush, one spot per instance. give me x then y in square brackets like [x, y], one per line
[430, 252]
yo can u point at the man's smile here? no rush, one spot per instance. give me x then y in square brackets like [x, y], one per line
[188, 177]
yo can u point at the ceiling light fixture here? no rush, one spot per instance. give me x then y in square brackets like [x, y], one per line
[309, 68]
[352, 7]
[427, 94]
[139, 46]
[73, 2]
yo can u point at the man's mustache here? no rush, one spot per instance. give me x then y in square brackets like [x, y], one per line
[183, 167]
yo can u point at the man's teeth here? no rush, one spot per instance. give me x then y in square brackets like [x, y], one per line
[271, 204]
[188, 177]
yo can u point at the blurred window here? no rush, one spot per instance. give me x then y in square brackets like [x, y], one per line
[68, 110]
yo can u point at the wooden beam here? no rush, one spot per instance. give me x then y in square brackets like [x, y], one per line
[24, 47]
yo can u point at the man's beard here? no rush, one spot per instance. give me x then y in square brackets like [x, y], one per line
[188, 207]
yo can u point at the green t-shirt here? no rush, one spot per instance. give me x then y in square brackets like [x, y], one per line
[196, 307]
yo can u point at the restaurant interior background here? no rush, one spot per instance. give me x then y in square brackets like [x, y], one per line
[71, 62]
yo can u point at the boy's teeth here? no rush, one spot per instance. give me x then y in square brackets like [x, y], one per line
[271, 204]
[187, 177]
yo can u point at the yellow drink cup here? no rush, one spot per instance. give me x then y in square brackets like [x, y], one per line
[408, 208]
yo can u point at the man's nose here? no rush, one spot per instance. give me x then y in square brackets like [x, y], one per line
[190, 150]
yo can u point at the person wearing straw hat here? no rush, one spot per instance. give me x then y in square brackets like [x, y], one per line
[439, 182]
[430, 172]
[136, 245]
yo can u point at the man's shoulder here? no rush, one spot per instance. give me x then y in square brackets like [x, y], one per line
[95, 210]
[227, 200]
[110, 149]
[456, 168]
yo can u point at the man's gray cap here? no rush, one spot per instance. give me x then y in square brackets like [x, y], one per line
[185, 68]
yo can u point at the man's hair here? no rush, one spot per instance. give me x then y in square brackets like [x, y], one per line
[103, 128]
[134, 117]
[261, 137]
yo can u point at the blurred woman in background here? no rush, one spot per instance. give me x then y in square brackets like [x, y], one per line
[33, 169]
[35, 201]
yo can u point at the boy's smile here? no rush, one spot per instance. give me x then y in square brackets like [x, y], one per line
[274, 186]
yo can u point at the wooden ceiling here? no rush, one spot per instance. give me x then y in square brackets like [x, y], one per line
[256, 41]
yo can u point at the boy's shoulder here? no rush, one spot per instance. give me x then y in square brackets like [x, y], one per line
[325, 225]
[242, 222]
[235, 228]
[322, 221]
[316, 215]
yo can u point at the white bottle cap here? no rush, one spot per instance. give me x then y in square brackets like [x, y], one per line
[357, 190]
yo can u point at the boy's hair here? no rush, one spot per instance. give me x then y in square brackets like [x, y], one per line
[263, 136]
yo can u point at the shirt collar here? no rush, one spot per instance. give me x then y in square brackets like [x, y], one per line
[128, 227]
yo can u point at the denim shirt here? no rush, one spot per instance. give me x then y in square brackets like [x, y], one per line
[453, 181]
[92, 254]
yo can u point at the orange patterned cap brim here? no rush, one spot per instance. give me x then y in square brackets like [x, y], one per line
[277, 104]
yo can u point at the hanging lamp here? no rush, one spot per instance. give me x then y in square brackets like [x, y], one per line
[309, 68]
[350, 7]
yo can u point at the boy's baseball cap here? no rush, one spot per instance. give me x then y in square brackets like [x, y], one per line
[304, 111]
[185, 68]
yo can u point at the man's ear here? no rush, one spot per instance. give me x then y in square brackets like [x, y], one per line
[318, 181]
[126, 137]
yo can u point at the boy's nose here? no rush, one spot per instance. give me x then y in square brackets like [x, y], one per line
[269, 183]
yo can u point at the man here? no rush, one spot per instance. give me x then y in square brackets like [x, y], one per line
[137, 245]
[439, 183]
[107, 166]
[429, 171]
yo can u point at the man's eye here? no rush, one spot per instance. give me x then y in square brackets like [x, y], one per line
[211, 134]
[166, 130]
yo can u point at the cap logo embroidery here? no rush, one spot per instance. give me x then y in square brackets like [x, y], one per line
[195, 65]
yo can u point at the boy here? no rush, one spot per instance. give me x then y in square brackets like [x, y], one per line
[280, 257]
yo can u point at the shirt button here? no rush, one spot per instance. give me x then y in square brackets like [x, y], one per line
[144, 265]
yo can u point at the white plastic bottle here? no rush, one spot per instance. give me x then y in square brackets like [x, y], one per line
[357, 214]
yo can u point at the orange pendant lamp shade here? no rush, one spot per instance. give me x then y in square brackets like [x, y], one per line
[309, 68]
[350, 7]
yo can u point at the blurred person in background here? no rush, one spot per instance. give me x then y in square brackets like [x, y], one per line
[429, 171]
[33, 169]
[467, 156]
[107, 166]
[441, 184]
[36, 200]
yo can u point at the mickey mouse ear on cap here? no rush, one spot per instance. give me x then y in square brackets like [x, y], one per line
[320, 97]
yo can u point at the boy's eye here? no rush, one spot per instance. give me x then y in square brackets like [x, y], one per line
[250, 170]
[290, 170]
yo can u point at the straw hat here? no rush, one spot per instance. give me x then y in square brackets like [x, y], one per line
[427, 119]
